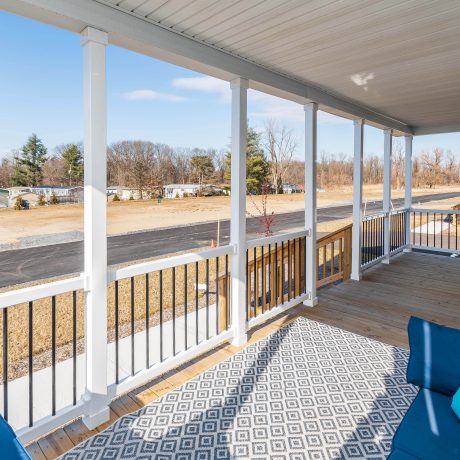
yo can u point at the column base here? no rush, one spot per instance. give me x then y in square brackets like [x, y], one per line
[311, 302]
[408, 249]
[386, 261]
[356, 276]
[94, 420]
[240, 340]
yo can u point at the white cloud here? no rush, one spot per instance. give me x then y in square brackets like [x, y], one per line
[205, 84]
[150, 95]
[264, 105]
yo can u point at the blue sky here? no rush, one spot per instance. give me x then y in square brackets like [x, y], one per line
[41, 92]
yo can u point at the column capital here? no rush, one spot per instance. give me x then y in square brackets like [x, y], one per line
[90, 34]
[388, 131]
[409, 136]
[309, 106]
[359, 122]
[239, 83]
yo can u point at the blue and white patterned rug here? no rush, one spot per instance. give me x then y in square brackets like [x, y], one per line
[309, 391]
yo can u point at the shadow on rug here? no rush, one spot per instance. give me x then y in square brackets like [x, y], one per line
[309, 391]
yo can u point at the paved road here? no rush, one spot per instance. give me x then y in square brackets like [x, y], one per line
[23, 265]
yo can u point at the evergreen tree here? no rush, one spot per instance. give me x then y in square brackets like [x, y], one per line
[29, 163]
[73, 159]
[257, 166]
[202, 166]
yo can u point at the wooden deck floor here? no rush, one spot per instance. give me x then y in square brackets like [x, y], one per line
[379, 307]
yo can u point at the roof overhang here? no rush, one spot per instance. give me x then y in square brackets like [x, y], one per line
[141, 35]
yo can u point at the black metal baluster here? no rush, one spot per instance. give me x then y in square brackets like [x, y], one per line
[196, 303]
[434, 233]
[248, 285]
[5, 364]
[227, 290]
[276, 274]
[413, 226]
[456, 231]
[294, 263]
[448, 232]
[161, 315]
[147, 318]
[132, 325]
[74, 346]
[217, 295]
[289, 270]
[117, 380]
[282, 272]
[174, 309]
[255, 280]
[31, 365]
[427, 221]
[207, 299]
[185, 307]
[263, 283]
[270, 287]
[53, 355]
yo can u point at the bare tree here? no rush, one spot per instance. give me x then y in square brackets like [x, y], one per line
[397, 165]
[280, 144]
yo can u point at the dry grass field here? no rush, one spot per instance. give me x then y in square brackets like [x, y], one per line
[129, 216]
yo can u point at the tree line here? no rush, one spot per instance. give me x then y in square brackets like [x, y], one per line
[147, 166]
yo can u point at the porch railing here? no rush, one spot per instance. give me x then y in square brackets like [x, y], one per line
[435, 229]
[163, 313]
[334, 256]
[373, 235]
[41, 335]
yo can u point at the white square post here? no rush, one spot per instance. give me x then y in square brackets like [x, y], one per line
[94, 44]
[387, 154]
[408, 188]
[311, 115]
[239, 89]
[357, 200]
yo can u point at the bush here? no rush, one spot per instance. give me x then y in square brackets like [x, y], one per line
[177, 195]
[19, 204]
[41, 200]
[116, 197]
[131, 197]
[54, 199]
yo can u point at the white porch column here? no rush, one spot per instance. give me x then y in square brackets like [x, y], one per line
[408, 187]
[239, 89]
[387, 153]
[311, 112]
[94, 44]
[357, 200]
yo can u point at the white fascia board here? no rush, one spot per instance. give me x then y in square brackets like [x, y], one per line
[138, 34]
[436, 130]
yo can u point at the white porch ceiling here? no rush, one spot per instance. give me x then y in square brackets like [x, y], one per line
[397, 61]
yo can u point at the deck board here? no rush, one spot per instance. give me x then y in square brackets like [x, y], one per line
[378, 307]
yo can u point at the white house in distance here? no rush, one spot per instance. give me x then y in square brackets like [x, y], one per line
[180, 190]
[125, 193]
[31, 194]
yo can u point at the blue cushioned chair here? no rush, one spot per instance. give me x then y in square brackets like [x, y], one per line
[430, 429]
[10, 447]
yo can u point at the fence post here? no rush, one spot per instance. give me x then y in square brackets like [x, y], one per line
[387, 153]
[408, 189]
[311, 111]
[94, 44]
[357, 200]
[239, 89]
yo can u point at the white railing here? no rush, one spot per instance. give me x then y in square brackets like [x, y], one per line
[435, 229]
[189, 316]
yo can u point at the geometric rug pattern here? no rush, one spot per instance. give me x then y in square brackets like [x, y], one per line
[309, 391]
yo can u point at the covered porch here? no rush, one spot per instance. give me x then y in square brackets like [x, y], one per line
[413, 284]
[122, 338]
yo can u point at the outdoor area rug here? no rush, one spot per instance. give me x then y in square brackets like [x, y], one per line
[309, 391]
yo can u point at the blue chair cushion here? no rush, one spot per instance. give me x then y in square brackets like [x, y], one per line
[456, 404]
[434, 361]
[401, 455]
[10, 447]
[430, 430]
